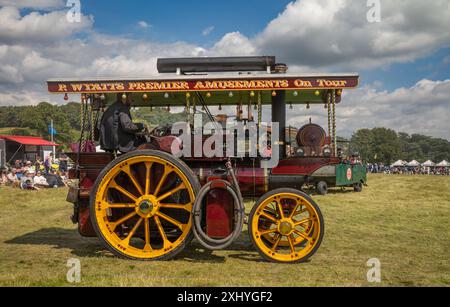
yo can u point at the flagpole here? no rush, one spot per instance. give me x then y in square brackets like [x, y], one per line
[52, 131]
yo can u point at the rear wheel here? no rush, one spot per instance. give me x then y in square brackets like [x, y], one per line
[358, 187]
[286, 226]
[141, 206]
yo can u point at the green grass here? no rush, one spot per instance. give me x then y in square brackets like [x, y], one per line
[403, 221]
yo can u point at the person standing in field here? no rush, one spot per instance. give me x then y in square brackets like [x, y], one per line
[48, 163]
[63, 161]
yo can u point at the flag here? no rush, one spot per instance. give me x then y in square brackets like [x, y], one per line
[51, 130]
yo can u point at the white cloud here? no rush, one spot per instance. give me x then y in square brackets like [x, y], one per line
[34, 4]
[207, 31]
[233, 44]
[143, 24]
[330, 33]
[37, 28]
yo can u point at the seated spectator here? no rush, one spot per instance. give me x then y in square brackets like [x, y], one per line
[39, 164]
[13, 180]
[3, 178]
[54, 181]
[40, 181]
[27, 182]
[27, 166]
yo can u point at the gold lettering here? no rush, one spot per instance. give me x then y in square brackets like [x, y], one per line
[62, 88]
[76, 87]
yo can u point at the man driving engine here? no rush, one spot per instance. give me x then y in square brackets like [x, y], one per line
[117, 130]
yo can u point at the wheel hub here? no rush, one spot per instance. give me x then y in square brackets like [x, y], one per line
[286, 228]
[146, 207]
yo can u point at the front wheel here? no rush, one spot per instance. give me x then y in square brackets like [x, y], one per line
[141, 205]
[286, 226]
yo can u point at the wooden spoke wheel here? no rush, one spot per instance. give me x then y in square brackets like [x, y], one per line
[286, 226]
[141, 205]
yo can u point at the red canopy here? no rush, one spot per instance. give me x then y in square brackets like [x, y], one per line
[28, 140]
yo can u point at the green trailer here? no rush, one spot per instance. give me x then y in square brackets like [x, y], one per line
[339, 175]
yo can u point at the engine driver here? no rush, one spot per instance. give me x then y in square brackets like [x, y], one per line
[117, 130]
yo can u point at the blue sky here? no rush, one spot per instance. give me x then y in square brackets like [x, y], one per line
[182, 20]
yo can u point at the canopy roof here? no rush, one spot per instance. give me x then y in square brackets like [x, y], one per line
[399, 163]
[413, 163]
[28, 140]
[429, 163]
[443, 164]
[215, 89]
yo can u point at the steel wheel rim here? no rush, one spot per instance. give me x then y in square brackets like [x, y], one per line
[146, 207]
[296, 242]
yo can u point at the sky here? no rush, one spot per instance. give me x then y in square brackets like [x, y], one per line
[403, 60]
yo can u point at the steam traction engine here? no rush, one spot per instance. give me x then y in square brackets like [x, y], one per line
[149, 205]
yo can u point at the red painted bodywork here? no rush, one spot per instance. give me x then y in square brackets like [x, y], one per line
[219, 214]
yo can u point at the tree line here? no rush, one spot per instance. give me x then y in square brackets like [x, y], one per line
[381, 145]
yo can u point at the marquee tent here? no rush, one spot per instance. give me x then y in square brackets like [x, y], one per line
[429, 163]
[413, 163]
[443, 164]
[399, 163]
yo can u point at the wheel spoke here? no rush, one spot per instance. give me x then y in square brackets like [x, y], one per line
[115, 186]
[182, 186]
[163, 179]
[277, 242]
[300, 223]
[171, 220]
[148, 166]
[267, 232]
[118, 206]
[122, 220]
[295, 209]
[166, 242]
[147, 247]
[291, 243]
[132, 233]
[301, 234]
[187, 207]
[269, 217]
[280, 209]
[127, 171]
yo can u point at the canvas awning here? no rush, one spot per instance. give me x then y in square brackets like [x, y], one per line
[399, 163]
[443, 164]
[429, 163]
[413, 163]
[28, 140]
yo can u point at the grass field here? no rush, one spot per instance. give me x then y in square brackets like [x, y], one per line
[403, 221]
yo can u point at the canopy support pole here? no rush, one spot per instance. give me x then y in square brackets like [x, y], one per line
[333, 94]
[279, 116]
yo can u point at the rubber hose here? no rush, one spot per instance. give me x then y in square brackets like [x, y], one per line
[200, 235]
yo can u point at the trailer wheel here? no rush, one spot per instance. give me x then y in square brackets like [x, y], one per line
[358, 187]
[141, 205]
[286, 216]
[322, 188]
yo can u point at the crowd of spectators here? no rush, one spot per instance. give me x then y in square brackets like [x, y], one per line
[40, 174]
[405, 170]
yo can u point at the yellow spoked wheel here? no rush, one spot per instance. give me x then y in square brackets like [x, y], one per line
[287, 226]
[141, 205]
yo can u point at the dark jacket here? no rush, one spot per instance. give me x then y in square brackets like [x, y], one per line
[117, 131]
